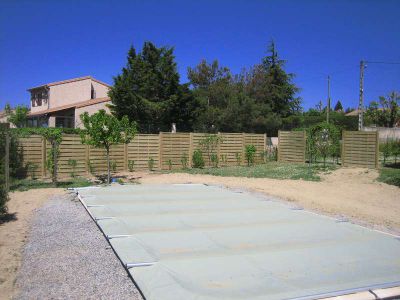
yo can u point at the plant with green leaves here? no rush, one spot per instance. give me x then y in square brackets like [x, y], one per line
[184, 161]
[54, 137]
[197, 159]
[238, 157]
[324, 140]
[113, 165]
[72, 163]
[209, 145]
[169, 164]
[214, 160]
[103, 130]
[90, 166]
[31, 168]
[250, 152]
[19, 116]
[131, 165]
[224, 159]
[150, 164]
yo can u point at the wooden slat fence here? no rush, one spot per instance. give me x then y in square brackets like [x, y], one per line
[360, 149]
[292, 146]
[162, 148]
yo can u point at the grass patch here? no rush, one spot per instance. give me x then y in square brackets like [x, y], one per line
[390, 175]
[28, 184]
[269, 170]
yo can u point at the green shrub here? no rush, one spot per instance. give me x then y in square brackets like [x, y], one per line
[90, 166]
[250, 151]
[238, 157]
[209, 144]
[214, 160]
[150, 164]
[3, 198]
[31, 168]
[72, 163]
[224, 159]
[131, 165]
[169, 164]
[184, 161]
[197, 159]
[113, 165]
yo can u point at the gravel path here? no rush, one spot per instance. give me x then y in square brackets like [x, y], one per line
[67, 257]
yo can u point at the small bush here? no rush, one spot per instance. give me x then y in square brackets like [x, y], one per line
[197, 159]
[3, 199]
[238, 157]
[90, 166]
[169, 164]
[113, 165]
[184, 161]
[214, 160]
[150, 164]
[224, 159]
[72, 163]
[31, 168]
[250, 151]
[131, 165]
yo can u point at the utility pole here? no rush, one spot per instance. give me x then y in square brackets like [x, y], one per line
[328, 107]
[361, 101]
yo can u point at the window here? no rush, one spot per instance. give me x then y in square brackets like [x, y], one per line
[93, 93]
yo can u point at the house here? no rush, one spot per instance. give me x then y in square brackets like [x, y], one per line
[60, 104]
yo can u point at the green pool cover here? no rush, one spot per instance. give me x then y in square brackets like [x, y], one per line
[192, 241]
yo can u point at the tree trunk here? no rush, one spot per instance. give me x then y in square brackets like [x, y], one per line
[108, 166]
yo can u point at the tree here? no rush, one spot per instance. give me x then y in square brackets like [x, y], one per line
[103, 130]
[386, 112]
[54, 137]
[19, 116]
[148, 90]
[323, 140]
[339, 106]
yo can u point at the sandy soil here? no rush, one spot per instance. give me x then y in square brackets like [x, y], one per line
[13, 234]
[351, 193]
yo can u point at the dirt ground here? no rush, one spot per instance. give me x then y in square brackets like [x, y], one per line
[351, 193]
[13, 233]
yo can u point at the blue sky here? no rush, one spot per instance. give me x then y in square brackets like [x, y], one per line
[44, 41]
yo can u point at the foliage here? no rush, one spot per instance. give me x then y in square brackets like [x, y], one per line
[390, 176]
[169, 163]
[131, 165]
[31, 169]
[270, 170]
[113, 165]
[103, 130]
[150, 164]
[238, 157]
[72, 163]
[386, 112]
[90, 166]
[250, 151]
[28, 184]
[214, 160]
[323, 139]
[209, 144]
[3, 197]
[390, 148]
[224, 159]
[148, 91]
[19, 116]
[197, 159]
[338, 106]
[184, 161]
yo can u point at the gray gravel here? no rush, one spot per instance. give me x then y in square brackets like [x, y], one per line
[67, 257]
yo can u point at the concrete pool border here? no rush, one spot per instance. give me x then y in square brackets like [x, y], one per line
[389, 290]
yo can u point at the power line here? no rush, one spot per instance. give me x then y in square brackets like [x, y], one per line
[383, 62]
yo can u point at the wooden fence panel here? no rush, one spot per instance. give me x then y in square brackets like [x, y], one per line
[259, 141]
[232, 145]
[292, 146]
[71, 148]
[360, 149]
[142, 149]
[174, 146]
[33, 152]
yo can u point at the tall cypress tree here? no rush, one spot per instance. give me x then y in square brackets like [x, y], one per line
[148, 90]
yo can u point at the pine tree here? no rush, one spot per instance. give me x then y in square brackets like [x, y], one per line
[338, 106]
[148, 90]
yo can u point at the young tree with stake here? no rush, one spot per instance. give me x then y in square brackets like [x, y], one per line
[103, 130]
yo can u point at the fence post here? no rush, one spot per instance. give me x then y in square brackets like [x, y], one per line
[126, 157]
[342, 148]
[190, 149]
[43, 167]
[243, 147]
[160, 149]
[277, 148]
[305, 146]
